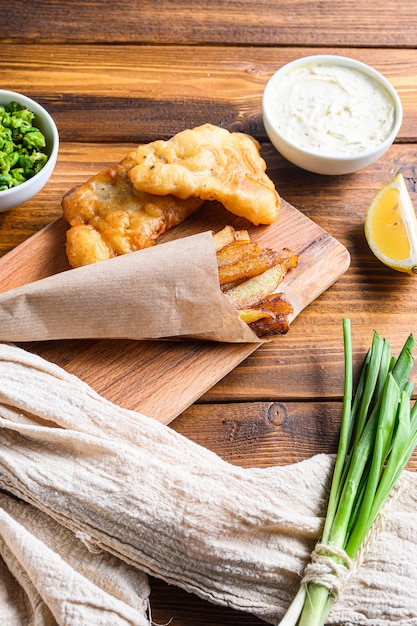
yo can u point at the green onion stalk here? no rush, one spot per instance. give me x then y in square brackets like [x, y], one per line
[377, 438]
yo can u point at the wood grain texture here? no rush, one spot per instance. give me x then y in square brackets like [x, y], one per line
[176, 607]
[114, 74]
[299, 22]
[337, 203]
[264, 433]
[308, 362]
[161, 379]
[141, 93]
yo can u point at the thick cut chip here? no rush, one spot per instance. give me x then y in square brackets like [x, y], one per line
[211, 163]
[229, 235]
[249, 276]
[238, 251]
[253, 261]
[109, 217]
[249, 316]
[278, 322]
[251, 291]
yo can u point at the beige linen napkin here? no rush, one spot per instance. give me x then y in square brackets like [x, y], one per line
[50, 577]
[170, 290]
[140, 491]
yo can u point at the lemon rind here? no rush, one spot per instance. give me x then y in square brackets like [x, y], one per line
[410, 221]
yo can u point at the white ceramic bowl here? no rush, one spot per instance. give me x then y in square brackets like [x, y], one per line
[325, 160]
[10, 198]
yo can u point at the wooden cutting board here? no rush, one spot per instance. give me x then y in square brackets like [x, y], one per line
[162, 378]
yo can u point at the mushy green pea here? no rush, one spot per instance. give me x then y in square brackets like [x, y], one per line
[22, 146]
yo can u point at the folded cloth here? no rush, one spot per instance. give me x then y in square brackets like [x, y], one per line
[56, 579]
[138, 490]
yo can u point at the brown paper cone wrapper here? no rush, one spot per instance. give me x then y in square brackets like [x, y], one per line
[167, 291]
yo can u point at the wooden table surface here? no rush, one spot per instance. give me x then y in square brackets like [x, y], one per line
[114, 74]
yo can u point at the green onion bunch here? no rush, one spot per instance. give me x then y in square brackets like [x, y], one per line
[22, 146]
[377, 438]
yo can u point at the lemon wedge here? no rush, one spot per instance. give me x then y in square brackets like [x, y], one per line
[391, 227]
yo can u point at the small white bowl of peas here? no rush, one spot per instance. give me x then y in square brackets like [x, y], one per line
[29, 144]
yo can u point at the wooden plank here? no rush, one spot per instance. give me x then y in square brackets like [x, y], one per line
[328, 23]
[347, 196]
[309, 361]
[171, 605]
[129, 94]
[161, 379]
[265, 433]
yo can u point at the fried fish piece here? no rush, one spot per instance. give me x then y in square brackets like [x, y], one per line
[109, 217]
[211, 163]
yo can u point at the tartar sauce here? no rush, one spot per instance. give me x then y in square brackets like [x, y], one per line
[332, 109]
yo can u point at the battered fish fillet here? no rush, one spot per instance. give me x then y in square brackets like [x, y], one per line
[108, 216]
[211, 163]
